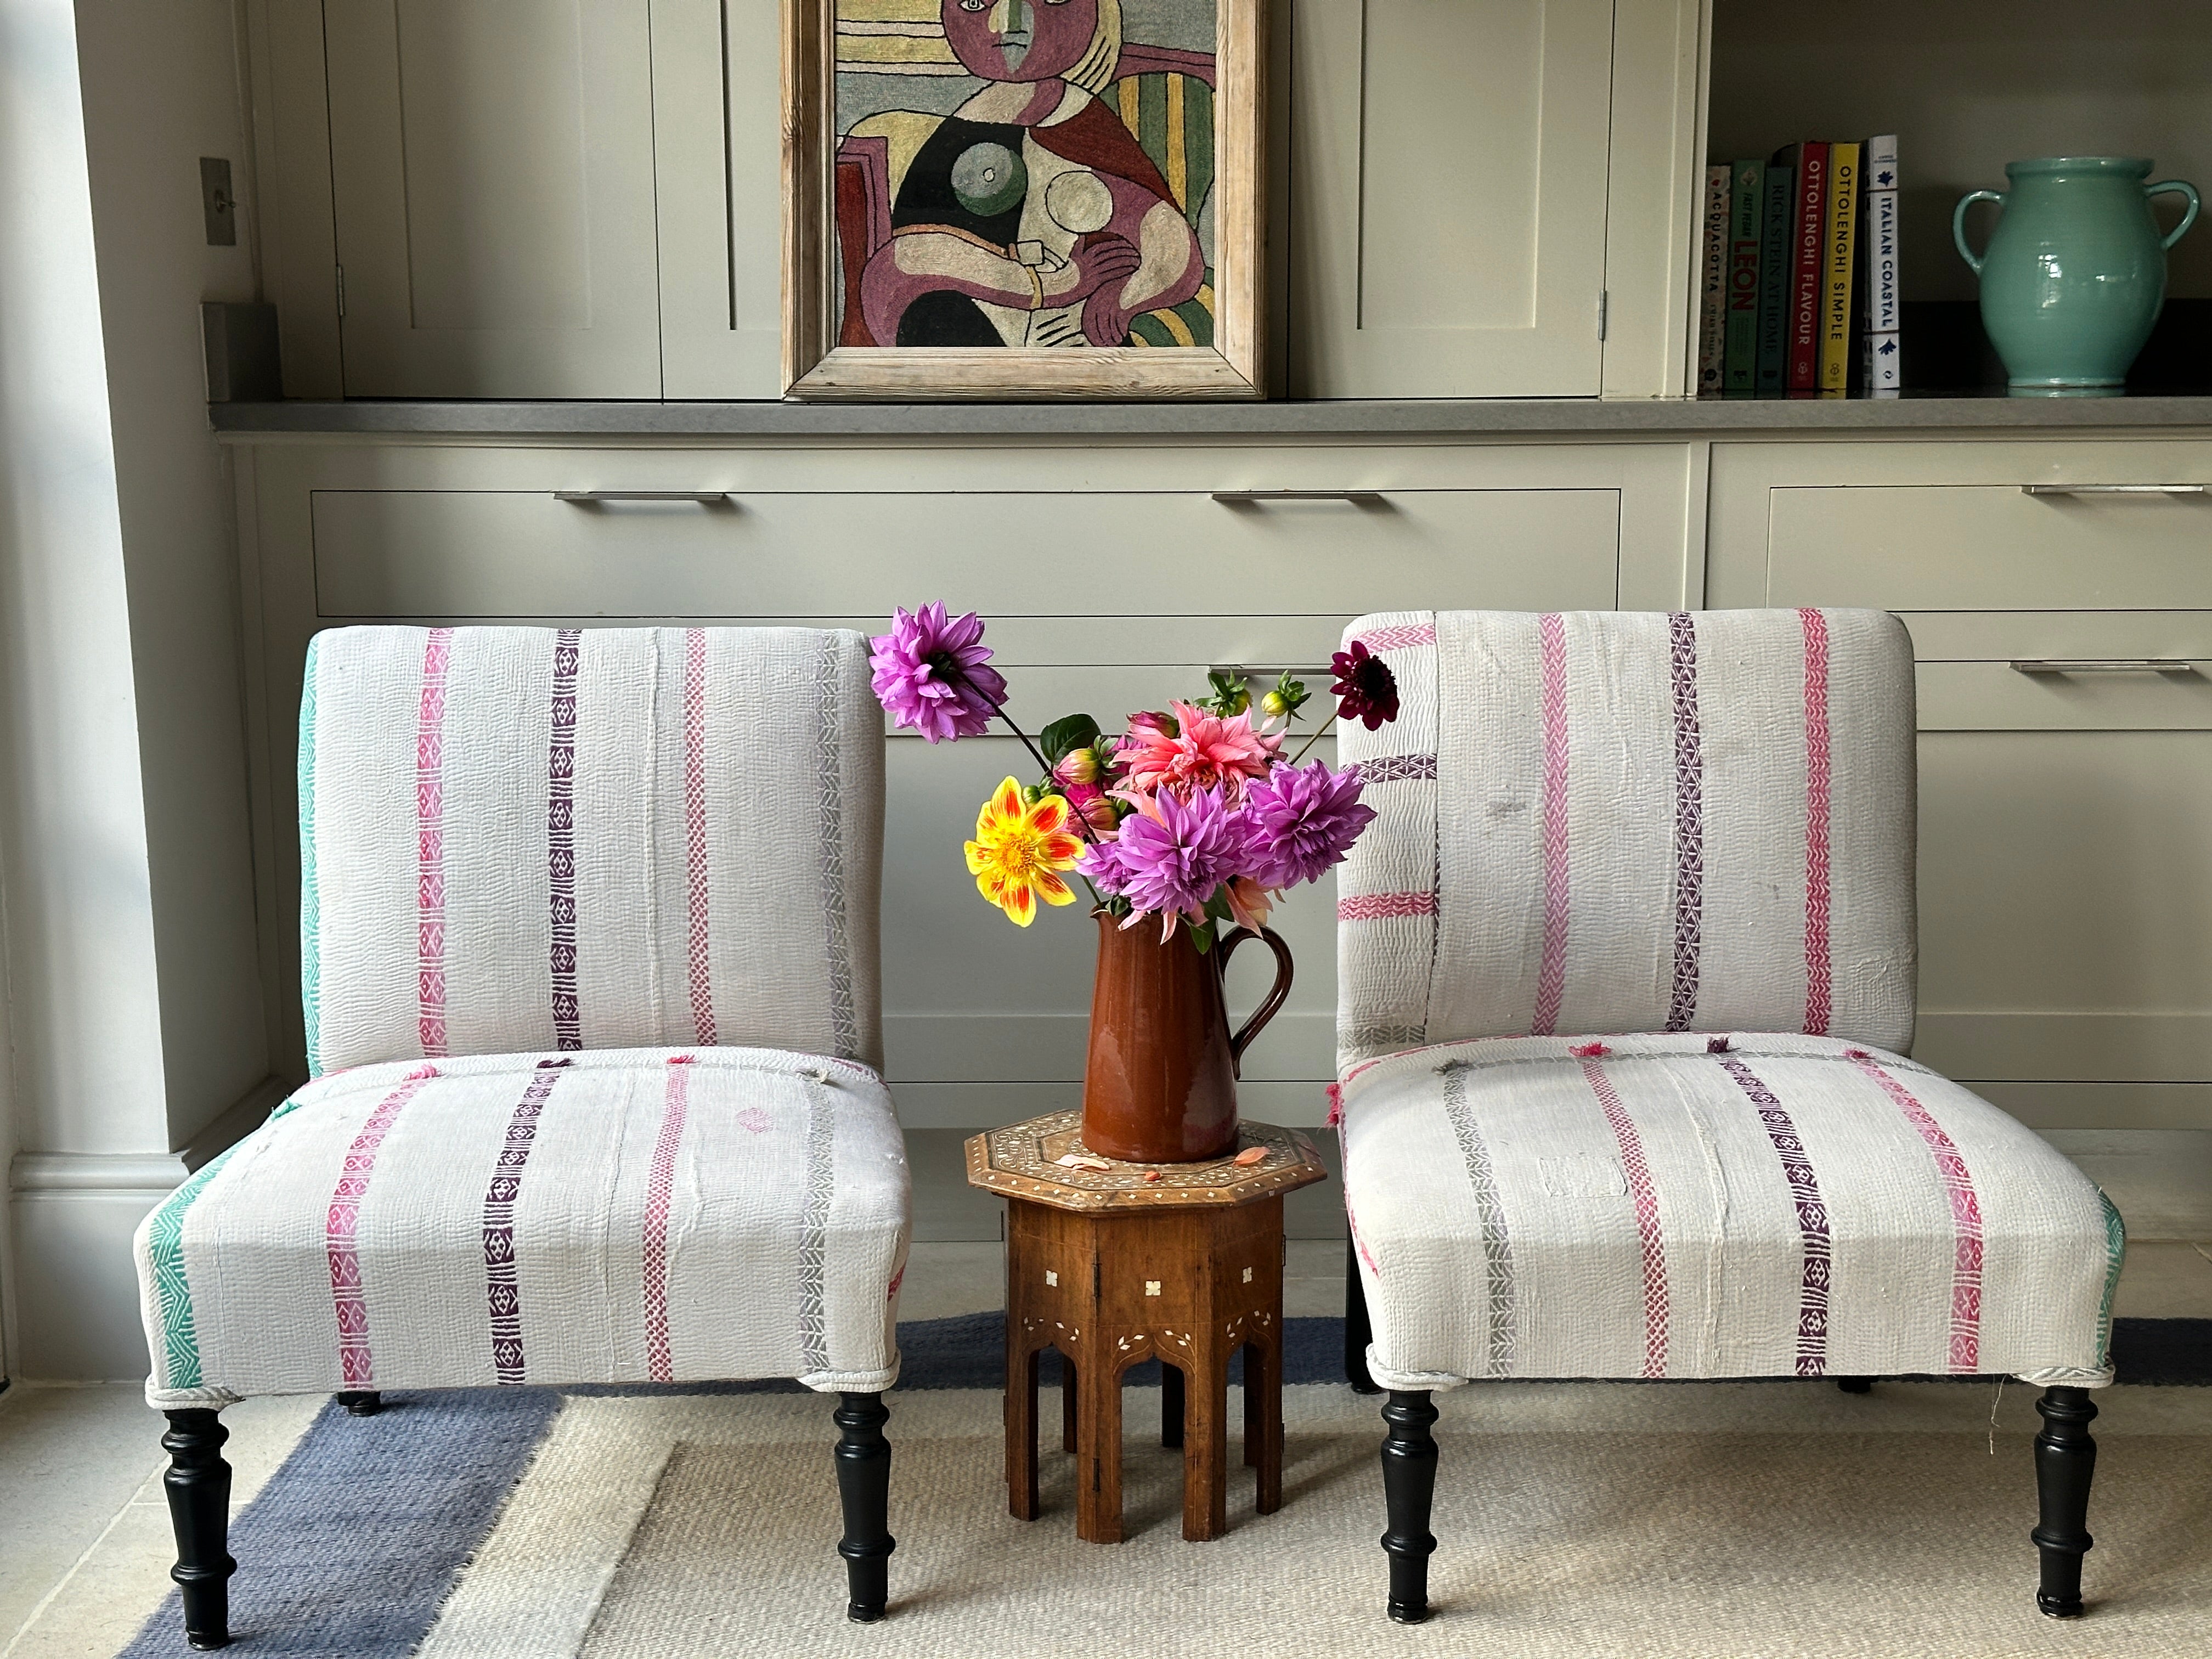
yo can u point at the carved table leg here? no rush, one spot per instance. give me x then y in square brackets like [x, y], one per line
[1263, 1417]
[1021, 1433]
[1068, 1404]
[1172, 1404]
[1409, 1483]
[2065, 1458]
[864, 1487]
[362, 1405]
[1358, 1333]
[1206, 1443]
[198, 1482]
[1098, 1456]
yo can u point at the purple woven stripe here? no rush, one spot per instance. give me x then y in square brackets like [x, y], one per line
[1689, 824]
[1395, 769]
[561, 839]
[1811, 1217]
[502, 1289]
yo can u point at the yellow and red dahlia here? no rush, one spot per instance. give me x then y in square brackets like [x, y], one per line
[1019, 849]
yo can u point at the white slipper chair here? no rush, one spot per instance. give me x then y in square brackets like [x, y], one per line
[1626, 968]
[590, 962]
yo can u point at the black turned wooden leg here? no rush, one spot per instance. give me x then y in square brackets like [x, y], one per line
[1409, 1485]
[1171, 1405]
[197, 1481]
[2065, 1460]
[362, 1405]
[1855, 1384]
[1358, 1333]
[864, 1486]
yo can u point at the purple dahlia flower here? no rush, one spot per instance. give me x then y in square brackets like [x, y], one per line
[1172, 859]
[1303, 821]
[930, 673]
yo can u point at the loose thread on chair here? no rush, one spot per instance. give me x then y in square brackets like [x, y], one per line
[1994, 1404]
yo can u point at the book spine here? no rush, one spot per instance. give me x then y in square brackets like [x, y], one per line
[1712, 310]
[1773, 372]
[1746, 205]
[1805, 253]
[1836, 280]
[1883, 359]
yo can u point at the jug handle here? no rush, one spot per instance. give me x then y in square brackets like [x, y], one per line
[1272, 1003]
[1959, 222]
[2175, 186]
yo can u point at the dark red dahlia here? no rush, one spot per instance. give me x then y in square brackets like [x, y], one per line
[1365, 689]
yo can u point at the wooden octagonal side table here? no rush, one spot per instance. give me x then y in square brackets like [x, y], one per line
[1182, 1263]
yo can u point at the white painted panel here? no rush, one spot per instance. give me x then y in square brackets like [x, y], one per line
[1449, 197]
[492, 174]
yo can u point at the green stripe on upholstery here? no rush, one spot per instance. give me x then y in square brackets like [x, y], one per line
[1198, 145]
[311, 908]
[172, 1292]
[2116, 1250]
[1153, 119]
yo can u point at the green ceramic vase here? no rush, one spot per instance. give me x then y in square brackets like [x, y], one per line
[2075, 273]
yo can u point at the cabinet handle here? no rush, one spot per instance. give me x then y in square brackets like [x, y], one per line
[2117, 489]
[593, 497]
[2104, 665]
[1255, 497]
[1268, 671]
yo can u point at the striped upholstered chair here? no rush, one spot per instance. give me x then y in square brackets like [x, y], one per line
[1626, 968]
[590, 962]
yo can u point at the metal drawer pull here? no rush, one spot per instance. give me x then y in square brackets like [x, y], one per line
[593, 497]
[2115, 489]
[2105, 665]
[1268, 671]
[1253, 497]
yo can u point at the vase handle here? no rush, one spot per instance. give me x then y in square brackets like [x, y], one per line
[1270, 1004]
[1959, 223]
[2175, 186]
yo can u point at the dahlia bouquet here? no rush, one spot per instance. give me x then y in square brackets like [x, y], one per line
[1191, 814]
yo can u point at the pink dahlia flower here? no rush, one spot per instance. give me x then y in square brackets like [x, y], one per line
[1190, 749]
[1303, 821]
[930, 673]
[1174, 855]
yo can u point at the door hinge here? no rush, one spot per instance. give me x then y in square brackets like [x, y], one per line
[341, 270]
[1603, 298]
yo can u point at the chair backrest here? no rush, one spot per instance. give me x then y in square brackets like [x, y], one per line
[1621, 822]
[517, 839]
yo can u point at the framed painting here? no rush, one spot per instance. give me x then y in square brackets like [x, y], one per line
[1021, 198]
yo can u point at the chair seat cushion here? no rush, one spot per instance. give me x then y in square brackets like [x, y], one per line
[1711, 1206]
[615, 1216]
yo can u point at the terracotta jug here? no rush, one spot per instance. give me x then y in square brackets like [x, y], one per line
[1160, 1085]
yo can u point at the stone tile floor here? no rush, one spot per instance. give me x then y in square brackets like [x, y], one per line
[84, 1539]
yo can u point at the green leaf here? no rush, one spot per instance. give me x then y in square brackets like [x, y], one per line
[1231, 696]
[1202, 937]
[1067, 735]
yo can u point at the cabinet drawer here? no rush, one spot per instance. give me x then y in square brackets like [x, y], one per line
[1947, 547]
[462, 554]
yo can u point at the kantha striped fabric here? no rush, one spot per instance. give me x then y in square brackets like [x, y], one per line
[522, 839]
[1700, 1206]
[588, 942]
[609, 1216]
[1698, 828]
[1601, 822]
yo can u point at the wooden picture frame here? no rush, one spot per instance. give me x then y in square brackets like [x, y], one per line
[821, 359]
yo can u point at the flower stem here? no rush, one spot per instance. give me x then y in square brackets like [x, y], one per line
[1320, 733]
[1082, 823]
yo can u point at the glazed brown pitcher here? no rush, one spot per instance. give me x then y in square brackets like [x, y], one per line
[1160, 1085]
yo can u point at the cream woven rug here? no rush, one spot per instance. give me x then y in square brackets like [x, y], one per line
[1767, 1519]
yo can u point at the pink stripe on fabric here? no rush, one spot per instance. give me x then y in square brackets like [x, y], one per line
[1373, 907]
[503, 1287]
[348, 1298]
[1399, 637]
[430, 846]
[1551, 974]
[1645, 1197]
[660, 1183]
[1965, 1213]
[695, 831]
[1818, 971]
[1812, 1216]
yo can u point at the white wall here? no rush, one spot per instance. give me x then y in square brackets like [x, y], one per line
[134, 1002]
